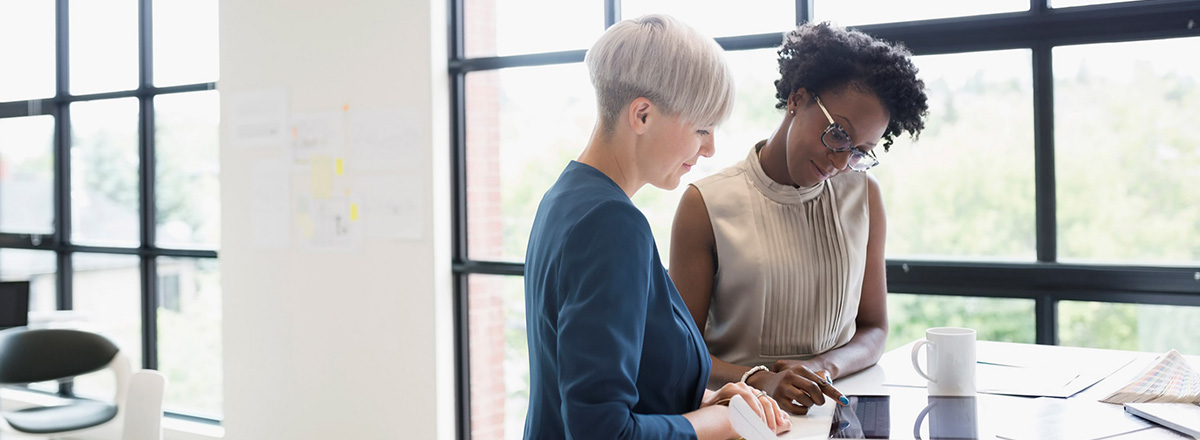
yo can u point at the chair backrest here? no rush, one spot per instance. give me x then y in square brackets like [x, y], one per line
[42, 355]
[14, 304]
[144, 406]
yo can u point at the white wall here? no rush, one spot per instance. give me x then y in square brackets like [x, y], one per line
[320, 344]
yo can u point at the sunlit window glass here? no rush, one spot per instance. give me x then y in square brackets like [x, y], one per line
[853, 12]
[104, 46]
[994, 319]
[966, 188]
[499, 357]
[185, 42]
[717, 18]
[27, 175]
[27, 48]
[36, 267]
[104, 172]
[1138, 327]
[523, 126]
[497, 27]
[187, 184]
[189, 334]
[108, 300]
[1126, 157]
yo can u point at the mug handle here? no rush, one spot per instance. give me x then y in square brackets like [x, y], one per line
[916, 365]
[920, 419]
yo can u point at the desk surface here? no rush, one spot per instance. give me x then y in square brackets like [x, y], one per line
[1081, 416]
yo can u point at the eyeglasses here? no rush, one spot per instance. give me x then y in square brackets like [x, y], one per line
[838, 141]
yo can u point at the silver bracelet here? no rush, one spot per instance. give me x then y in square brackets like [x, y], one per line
[752, 371]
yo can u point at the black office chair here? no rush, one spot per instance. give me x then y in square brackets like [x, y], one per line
[44, 355]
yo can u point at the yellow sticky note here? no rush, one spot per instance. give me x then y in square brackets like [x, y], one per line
[353, 211]
[305, 226]
[322, 177]
[340, 168]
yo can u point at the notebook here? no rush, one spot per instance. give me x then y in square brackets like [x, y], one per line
[1182, 417]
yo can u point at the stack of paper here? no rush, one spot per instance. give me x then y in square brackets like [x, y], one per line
[1169, 379]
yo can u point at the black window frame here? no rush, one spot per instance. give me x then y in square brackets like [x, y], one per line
[59, 241]
[1046, 281]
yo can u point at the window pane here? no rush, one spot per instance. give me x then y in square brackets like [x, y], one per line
[523, 127]
[1141, 327]
[189, 334]
[187, 169]
[499, 357]
[994, 319]
[503, 27]
[851, 12]
[107, 295]
[104, 172]
[1126, 157]
[37, 267]
[717, 18]
[966, 189]
[27, 48]
[103, 46]
[185, 42]
[27, 175]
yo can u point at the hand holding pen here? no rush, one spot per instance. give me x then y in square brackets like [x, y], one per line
[796, 387]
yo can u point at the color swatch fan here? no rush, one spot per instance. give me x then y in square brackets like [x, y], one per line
[1170, 379]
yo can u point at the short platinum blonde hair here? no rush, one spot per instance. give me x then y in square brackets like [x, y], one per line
[666, 61]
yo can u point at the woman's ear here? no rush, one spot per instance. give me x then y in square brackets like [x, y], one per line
[797, 100]
[639, 112]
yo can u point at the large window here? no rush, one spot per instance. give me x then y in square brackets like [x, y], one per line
[1051, 198]
[109, 204]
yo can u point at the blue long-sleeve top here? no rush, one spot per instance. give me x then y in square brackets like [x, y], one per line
[613, 351]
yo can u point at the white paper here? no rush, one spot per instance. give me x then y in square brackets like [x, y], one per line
[390, 207]
[269, 196]
[258, 118]
[383, 139]
[814, 425]
[317, 134]
[326, 224]
[1049, 418]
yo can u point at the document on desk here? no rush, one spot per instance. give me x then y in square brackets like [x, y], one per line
[1043, 381]
[1075, 419]
[1000, 372]
[814, 425]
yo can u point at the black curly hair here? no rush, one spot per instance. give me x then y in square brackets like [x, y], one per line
[822, 57]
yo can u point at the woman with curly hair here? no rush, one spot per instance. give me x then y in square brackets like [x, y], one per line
[780, 257]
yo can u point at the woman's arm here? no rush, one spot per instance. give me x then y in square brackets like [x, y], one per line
[601, 330]
[601, 325]
[693, 268]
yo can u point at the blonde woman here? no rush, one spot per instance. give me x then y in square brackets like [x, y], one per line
[613, 352]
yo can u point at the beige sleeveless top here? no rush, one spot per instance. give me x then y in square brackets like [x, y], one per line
[790, 263]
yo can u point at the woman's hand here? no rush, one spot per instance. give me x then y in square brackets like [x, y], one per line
[763, 405]
[796, 387]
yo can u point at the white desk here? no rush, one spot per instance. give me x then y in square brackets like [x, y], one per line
[1081, 416]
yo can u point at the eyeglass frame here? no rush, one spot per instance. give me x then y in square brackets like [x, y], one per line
[833, 125]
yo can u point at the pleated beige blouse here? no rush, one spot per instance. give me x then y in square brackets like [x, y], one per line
[790, 263]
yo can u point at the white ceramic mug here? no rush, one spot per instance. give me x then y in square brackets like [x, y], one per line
[951, 361]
